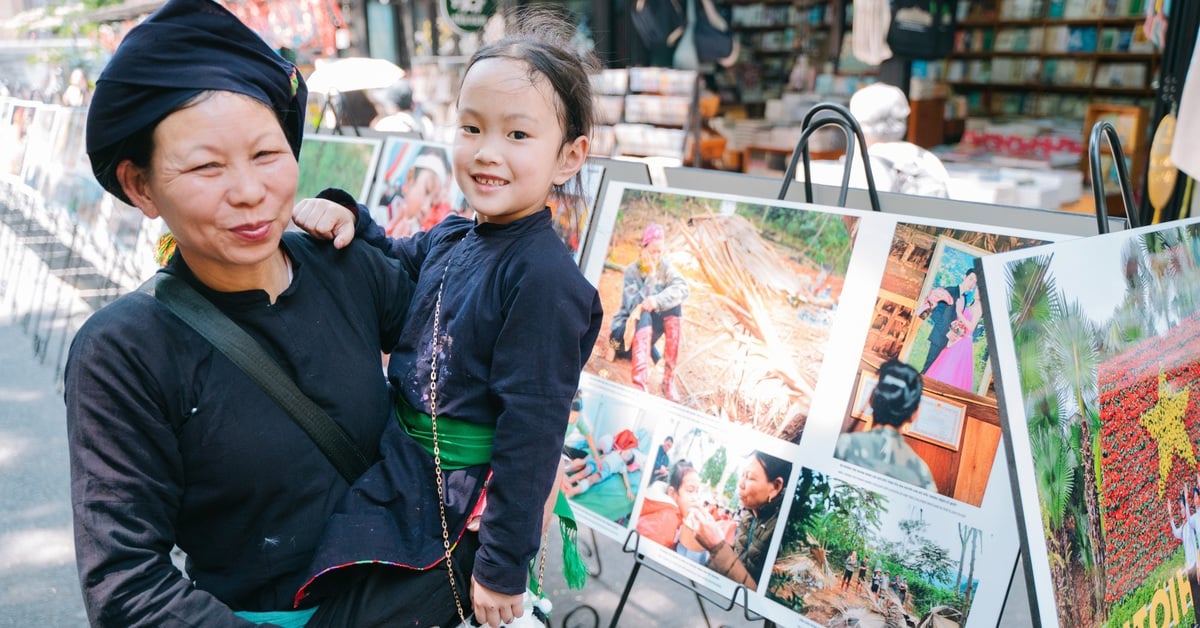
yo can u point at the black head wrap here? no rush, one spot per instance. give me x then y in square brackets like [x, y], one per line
[185, 48]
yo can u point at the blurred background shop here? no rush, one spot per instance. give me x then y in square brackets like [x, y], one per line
[1002, 92]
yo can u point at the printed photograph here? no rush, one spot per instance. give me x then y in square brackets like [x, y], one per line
[573, 215]
[1105, 347]
[336, 161]
[703, 495]
[606, 451]
[941, 429]
[853, 557]
[723, 306]
[414, 187]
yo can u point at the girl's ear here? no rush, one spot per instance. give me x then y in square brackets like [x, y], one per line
[134, 183]
[571, 158]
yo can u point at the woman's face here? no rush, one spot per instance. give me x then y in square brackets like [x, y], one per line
[223, 179]
[754, 490]
[687, 496]
[652, 253]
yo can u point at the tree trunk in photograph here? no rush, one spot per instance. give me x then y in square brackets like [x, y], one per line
[1092, 502]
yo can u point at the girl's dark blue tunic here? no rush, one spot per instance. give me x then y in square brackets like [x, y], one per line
[518, 322]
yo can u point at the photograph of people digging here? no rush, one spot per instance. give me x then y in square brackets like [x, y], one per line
[722, 306]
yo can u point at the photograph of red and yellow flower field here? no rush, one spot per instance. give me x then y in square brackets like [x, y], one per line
[1105, 336]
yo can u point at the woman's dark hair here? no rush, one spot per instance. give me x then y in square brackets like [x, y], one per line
[897, 394]
[541, 37]
[679, 471]
[775, 468]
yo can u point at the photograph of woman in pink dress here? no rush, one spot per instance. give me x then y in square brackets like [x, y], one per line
[955, 365]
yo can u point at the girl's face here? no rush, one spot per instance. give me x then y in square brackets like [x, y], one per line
[687, 496]
[420, 193]
[509, 148]
[754, 490]
[223, 179]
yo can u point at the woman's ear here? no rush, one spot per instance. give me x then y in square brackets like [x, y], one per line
[776, 487]
[133, 182]
[571, 158]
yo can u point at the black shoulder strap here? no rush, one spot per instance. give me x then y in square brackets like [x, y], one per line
[248, 355]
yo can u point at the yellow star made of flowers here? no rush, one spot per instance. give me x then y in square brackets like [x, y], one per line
[1165, 423]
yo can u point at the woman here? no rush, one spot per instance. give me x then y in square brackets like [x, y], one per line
[760, 493]
[198, 122]
[955, 365]
[882, 448]
[652, 296]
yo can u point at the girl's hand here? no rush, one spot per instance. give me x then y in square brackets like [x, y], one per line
[494, 609]
[325, 219]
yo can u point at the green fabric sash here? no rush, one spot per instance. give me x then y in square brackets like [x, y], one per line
[462, 444]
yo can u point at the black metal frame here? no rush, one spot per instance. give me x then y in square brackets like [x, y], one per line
[1106, 130]
[846, 121]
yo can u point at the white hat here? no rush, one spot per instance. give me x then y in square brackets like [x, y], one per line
[432, 163]
[881, 110]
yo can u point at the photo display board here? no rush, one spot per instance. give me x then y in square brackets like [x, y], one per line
[1096, 343]
[414, 189]
[337, 161]
[715, 435]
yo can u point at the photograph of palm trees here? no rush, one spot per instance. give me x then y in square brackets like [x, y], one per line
[1098, 362]
[853, 557]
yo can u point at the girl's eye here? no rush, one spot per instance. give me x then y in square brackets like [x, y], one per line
[467, 128]
[519, 135]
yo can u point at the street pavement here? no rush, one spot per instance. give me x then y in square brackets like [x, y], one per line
[38, 584]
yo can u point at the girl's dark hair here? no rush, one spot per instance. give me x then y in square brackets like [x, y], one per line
[679, 471]
[540, 35]
[775, 468]
[897, 394]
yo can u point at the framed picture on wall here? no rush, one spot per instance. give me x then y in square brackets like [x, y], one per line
[938, 421]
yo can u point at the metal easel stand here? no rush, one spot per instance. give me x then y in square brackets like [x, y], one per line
[846, 121]
[1106, 129]
[740, 594]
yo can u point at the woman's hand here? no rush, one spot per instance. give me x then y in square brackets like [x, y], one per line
[493, 609]
[325, 219]
[708, 532]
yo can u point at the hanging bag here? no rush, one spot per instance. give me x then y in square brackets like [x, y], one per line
[921, 29]
[659, 23]
[713, 37]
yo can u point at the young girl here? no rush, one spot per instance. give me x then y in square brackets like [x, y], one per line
[500, 327]
[663, 512]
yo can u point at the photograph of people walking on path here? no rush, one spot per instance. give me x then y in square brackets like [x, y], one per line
[854, 557]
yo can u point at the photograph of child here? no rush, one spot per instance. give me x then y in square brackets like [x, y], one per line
[606, 451]
[719, 305]
[851, 556]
